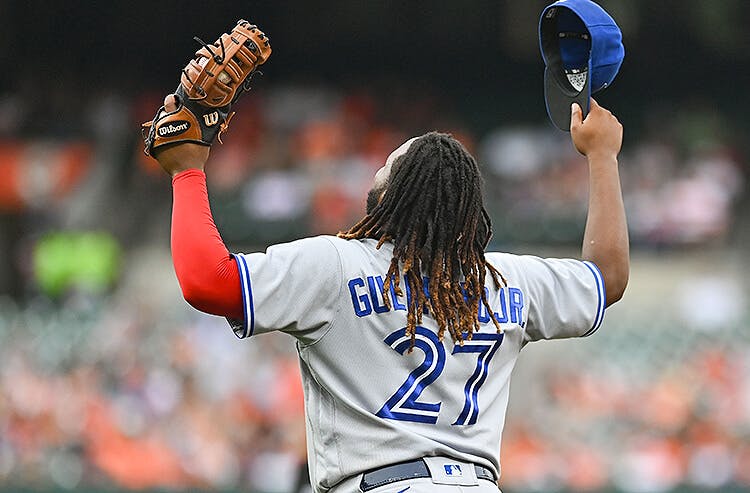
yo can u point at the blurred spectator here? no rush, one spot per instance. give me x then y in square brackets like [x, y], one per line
[128, 389]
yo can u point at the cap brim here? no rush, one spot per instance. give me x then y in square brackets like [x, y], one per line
[559, 100]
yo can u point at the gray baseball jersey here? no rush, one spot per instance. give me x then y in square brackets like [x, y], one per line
[369, 402]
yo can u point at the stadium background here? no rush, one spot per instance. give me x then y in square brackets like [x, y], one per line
[109, 381]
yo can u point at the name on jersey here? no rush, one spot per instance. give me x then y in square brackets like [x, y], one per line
[367, 299]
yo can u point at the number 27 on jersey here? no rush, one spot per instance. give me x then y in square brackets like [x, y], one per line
[404, 404]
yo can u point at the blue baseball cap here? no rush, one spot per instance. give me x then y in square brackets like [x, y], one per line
[582, 49]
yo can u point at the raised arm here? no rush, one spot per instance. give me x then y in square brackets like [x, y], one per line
[605, 241]
[208, 275]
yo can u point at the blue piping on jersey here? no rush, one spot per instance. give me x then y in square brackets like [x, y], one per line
[247, 296]
[601, 290]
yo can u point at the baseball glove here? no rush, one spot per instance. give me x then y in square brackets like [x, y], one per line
[211, 82]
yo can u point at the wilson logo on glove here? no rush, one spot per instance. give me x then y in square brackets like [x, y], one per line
[211, 119]
[210, 84]
[174, 128]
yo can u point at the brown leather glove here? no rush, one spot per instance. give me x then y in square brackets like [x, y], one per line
[211, 82]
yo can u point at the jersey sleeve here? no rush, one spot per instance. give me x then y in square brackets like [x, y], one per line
[567, 298]
[292, 288]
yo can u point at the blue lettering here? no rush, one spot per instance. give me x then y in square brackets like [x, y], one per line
[377, 294]
[368, 297]
[503, 308]
[361, 302]
[516, 305]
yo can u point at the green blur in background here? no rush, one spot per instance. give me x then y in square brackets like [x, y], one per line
[89, 262]
[110, 382]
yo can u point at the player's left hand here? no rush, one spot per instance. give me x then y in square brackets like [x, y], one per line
[200, 109]
[183, 156]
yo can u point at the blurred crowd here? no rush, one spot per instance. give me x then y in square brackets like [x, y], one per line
[119, 385]
[299, 159]
[135, 399]
[676, 194]
[137, 391]
[638, 430]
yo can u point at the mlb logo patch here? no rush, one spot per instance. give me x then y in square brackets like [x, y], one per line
[445, 470]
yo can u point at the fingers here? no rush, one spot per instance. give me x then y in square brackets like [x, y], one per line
[576, 116]
[170, 103]
[594, 104]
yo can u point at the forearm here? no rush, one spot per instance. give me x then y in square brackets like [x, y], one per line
[208, 275]
[605, 241]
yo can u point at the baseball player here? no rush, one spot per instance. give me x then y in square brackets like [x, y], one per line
[407, 330]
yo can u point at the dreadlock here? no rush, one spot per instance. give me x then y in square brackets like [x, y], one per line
[432, 212]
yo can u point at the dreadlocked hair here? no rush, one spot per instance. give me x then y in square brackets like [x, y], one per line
[432, 212]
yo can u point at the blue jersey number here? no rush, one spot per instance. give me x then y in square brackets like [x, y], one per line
[485, 345]
[403, 405]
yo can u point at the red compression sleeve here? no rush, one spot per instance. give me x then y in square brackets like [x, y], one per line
[208, 275]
